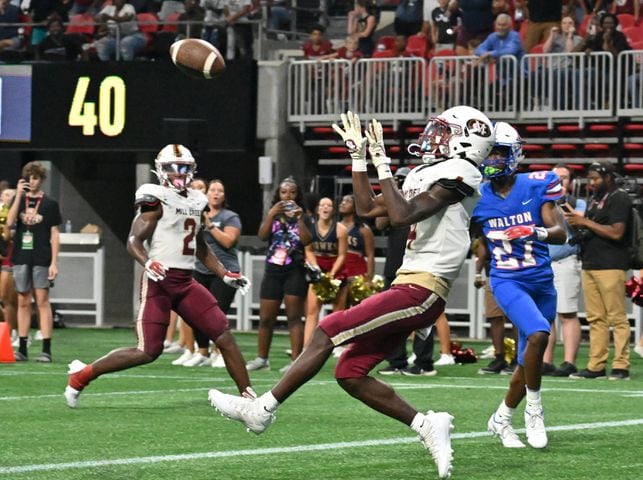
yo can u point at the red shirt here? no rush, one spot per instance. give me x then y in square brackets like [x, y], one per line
[324, 49]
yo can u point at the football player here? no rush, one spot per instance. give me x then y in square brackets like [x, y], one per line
[165, 237]
[518, 217]
[437, 201]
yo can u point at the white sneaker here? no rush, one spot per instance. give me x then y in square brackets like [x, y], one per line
[14, 335]
[174, 347]
[639, 349]
[258, 364]
[16, 342]
[218, 362]
[535, 427]
[197, 360]
[436, 437]
[246, 410]
[445, 359]
[411, 360]
[38, 336]
[488, 353]
[71, 394]
[187, 355]
[505, 431]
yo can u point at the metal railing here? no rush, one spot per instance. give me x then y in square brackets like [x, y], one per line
[545, 87]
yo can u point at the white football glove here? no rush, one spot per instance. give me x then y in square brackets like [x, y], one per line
[238, 281]
[155, 270]
[353, 139]
[375, 136]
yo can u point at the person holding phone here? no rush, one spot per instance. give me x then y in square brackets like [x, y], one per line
[35, 255]
[567, 280]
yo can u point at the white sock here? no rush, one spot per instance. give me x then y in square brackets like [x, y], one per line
[268, 401]
[417, 422]
[504, 411]
[533, 398]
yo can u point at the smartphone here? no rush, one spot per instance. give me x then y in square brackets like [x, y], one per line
[27, 186]
[566, 208]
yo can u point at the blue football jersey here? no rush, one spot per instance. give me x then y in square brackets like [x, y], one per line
[527, 259]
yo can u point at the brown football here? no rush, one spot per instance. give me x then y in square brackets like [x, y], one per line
[197, 58]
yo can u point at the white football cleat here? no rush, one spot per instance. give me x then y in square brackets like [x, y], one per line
[185, 356]
[535, 427]
[435, 435]
[445, 359]
[505, 431]
[197, 360]
[71, 394]
[246, 410]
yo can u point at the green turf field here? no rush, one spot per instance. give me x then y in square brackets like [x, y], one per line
[154, 422]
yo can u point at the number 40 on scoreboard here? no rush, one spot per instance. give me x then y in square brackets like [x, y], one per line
[111, 107]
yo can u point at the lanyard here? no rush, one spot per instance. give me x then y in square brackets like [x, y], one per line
[35, 208]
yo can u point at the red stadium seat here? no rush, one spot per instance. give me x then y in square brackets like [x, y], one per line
[523, 30]
[633, 147]
[383, 54]
[533, 148]
[537, 129]
[417, 46]
[445, 52]
[564, 147]
[147, 22]
[337, 150]
[634, 128]
[625, 20]
[573, 129]
[537, 48]
[82, 23]
[168, 27]
[582, 29]
[633, 34]
[597, 147]
[537, 167]
[633, 168]
[385, 42]
[603, 128]
[323, 130]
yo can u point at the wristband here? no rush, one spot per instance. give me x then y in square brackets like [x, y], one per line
[359, 165]
[384, 171]
[541, 233]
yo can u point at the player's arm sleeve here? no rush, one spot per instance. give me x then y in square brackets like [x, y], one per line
[146, 199]
[552, 188]
[461, 178]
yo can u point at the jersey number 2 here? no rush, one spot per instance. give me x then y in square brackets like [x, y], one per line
[189, 226]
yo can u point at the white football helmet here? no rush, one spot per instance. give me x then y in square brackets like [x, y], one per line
[175, 167]
[506, 153]
[459, 132]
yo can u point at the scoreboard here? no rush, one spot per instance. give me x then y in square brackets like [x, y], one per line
[125, 106]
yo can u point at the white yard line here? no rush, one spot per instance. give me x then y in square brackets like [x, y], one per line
[279, 450]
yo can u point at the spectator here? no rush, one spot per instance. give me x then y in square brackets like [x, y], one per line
[168, 7]
[607, 38]
[119, 16]
[504, 41]
[325, 252]
[9, 37]
[408, 17]
[399, 46]
[317, 45]
[477, 24]
[223, 228]
[567, 272]
[34, 255]
[284, 277]
[215, 24]
[193, 13]
[594, 7]
[361, 24]
[444, 22]
[7, 290]
[59, 46]
[502, 6]
[604, 258]
[348, 52]
[626, 6]
[239, 29]
[279, 17]
[543, 16]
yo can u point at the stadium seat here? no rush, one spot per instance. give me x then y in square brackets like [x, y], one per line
[82, 23]
[564, 147]
[633, 34]
[147, 23]
[385, 42]
[537, 48]
[597, 147]
[337, 150]
[168, 27]
[602, 128]
[533, 148]
[417, 46]
[383, 54]
[582, 28]
[523, 30]
[537, 167]
[631, 148]
[445, 52]
[571, 129]
[625, 20]
[536, 129]
[633, 169]
[576, 168]
[634, 128]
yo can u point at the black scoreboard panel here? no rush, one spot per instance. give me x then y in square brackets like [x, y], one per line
[136, 106]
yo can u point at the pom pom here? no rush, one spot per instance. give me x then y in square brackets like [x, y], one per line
[326, 288]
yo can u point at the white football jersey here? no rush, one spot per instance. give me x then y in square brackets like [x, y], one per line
[173, 243]
[439, 244]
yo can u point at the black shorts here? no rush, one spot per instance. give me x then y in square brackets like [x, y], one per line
[222, 292]
[279, 281]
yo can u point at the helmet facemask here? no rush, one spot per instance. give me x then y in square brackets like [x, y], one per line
[502, 161]
[175, 175]
[433, 143]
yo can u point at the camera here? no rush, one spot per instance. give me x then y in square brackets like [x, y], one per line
[289, 206]
[581, 235]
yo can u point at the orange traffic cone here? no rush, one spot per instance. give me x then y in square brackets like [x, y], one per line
[6, 351]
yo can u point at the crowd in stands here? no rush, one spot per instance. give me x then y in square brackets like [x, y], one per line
[86, 29]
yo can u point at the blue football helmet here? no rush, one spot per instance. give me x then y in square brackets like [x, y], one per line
[506, 153]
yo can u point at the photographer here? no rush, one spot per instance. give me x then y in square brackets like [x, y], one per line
[604, 257]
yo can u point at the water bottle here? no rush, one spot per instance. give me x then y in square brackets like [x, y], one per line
[68, 226]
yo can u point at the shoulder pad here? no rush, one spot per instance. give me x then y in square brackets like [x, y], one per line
[149, 194]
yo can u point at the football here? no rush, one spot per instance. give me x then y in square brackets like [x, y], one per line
[197, 58]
